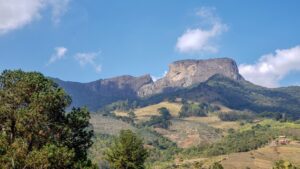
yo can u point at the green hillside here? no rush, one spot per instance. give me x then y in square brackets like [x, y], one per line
[240, 95]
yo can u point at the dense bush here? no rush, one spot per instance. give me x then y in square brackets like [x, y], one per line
[243, 141]
[234, 116]
[162, 121]
[126, 152]
[194, 109]
[125, 105]
[281, 164]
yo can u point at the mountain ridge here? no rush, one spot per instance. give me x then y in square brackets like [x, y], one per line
[203, 80]
[181, 74]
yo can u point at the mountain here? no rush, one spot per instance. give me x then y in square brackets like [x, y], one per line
[181, 74]
[186, 73]
[238, 95]
[212, 81]
[98, 93]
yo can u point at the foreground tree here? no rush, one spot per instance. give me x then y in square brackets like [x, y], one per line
[216, 165]
[127, 152]
[35, 130]
[281, 164]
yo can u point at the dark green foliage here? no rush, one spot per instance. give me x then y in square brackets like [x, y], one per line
[243, 141]
[125, 105]
[234, 116]
[239, 95]
[79, 132]
[275, 115]
[127, 152]
[164, 112]
[216, 165]
[35, 130]
[131, 115]
[194, 109]
[160, 148]
[281, 164]
[162, 121]
[240, 141]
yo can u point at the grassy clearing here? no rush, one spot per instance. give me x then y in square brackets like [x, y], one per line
[108, 125]
[214, 121]
[189, 133]
[264, 158]
[273, 123]
[144, 113]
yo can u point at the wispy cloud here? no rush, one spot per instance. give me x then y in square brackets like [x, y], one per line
[15, 14]
[59, 8]
[199, 39]
[272, 68]
[85, 59]
[155, 78]
[60, 53]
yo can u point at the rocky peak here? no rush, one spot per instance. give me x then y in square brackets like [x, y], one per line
[186, 73]
[123, 82]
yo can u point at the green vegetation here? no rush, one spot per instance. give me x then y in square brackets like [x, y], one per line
[216, 165]
[125, 105]
[35, 130]
[238, 95]
[281, 164]
[162, 121]
[243, 141]
[234, 116]
[127, 152]
[194, 109]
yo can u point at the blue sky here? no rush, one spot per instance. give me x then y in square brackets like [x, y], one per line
[85, 40]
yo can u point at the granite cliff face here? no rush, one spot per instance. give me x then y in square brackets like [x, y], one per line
[181, 74]
[186, 73]
[98, 93]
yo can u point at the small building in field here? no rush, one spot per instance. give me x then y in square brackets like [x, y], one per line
[282, 140]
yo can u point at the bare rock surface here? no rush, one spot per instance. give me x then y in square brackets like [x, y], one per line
[186, 73]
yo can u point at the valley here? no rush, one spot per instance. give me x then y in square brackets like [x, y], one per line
[190, 140]
[190, 117]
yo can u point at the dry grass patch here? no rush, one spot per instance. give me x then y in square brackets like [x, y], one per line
[188, 133]
[262, 158]
[121, 113]
[215, 122]
[108, 125]
[144, 113]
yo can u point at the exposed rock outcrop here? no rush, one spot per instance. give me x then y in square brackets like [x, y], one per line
[98, 93]
[181, 74]
[186, 73]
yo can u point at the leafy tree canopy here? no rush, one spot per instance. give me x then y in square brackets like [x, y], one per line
[35, 130]
[127, 152]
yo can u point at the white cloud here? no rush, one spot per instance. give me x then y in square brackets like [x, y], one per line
[59, 7]
[199, 39]
[15, 14]
[155, 78]
[60, 53]
[272, 68]
[88, 59]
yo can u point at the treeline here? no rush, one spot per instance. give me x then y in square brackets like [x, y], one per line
[243, 141]
[196, 109]
[236, 141]
[162, 121]
[235, 116]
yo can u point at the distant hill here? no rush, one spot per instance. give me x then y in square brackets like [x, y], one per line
[212, 80]
[239, 95]
[99, 93]
[181, 74]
